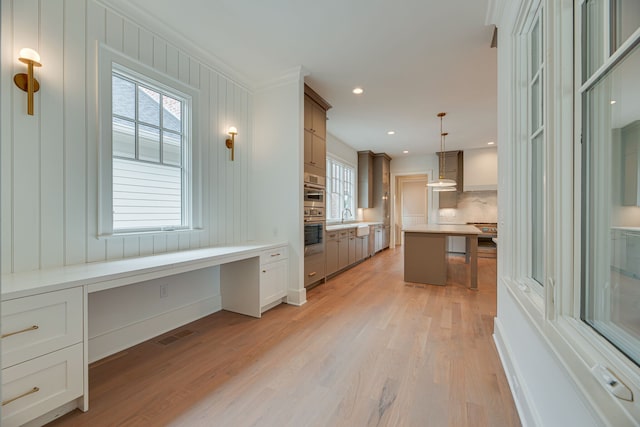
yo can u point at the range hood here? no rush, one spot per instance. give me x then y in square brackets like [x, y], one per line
[481, 169]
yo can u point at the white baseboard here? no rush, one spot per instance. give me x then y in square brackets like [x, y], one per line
[297, 296]
[120, 339]
[518, 391]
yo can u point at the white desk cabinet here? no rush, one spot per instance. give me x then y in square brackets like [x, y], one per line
[274, 270]
[42, 354]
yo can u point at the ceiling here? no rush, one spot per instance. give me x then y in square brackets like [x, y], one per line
[413, 58]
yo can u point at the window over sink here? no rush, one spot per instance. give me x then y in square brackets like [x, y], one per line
[340, 190]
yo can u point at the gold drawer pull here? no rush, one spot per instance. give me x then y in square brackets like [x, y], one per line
[30, 328]
[275, 255]
[312, 274]
[13, 399]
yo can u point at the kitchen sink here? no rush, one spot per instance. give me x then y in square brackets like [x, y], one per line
[362, 230]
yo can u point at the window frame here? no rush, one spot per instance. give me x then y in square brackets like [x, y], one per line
[524, 152]
[334, 159]
[108, 61]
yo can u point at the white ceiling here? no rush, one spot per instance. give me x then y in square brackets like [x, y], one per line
[414, 58]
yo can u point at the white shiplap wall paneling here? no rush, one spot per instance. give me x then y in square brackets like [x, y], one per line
[75, 133]
[159, 54]
[6, 155]
[50, 160]
[52, 135]
[97, 21]
[26, 147]
[145, 47]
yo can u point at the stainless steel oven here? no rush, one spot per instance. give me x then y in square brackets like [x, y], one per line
[313, 237]
[313, 196]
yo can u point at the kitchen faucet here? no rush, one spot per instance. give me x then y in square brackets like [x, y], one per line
[345, 211]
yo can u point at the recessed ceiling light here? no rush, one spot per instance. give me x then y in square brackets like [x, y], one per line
[405, 152]
[358, 91]
[391, 132]
[490, 143]
[613, 101]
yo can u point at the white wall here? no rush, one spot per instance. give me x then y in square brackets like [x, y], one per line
[278, 156]
[412, 165]
[49, 160]
[49, 169]
[341, 150]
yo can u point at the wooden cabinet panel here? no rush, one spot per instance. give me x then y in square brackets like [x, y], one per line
[365, 179]
[352, 247]
[331, 251]
[343, 249]
[314, 268]
[453, 169]
[315, 132]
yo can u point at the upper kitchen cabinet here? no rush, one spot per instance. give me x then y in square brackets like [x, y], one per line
[481, 169]
[315, 132]
[631, 157]
[365, 179]
[380, 187]
[453, 169]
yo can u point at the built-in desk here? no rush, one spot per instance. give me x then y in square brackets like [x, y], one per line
[45, 317]
[425, 247]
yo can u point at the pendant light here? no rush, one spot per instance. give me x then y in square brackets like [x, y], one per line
[442, 182]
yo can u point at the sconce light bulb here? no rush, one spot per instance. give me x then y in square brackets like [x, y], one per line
[233, 130]
[27, 54]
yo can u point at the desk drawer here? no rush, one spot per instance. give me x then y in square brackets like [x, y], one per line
[273, 255]
[33, 388]
[37, 325]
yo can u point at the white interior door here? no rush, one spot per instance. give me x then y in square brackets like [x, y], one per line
[413, 204]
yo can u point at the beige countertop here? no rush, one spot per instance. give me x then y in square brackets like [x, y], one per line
[442, 228]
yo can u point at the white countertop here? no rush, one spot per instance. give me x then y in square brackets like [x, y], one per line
[106, 274]
[342, 226]
[442, 228]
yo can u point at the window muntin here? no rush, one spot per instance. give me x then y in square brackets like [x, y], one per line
[536, 142]
[625, 20]
[610, 204]
[149, 151]
[340, 191]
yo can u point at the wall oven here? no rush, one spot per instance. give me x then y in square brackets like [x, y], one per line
[313, 237]
[313, 196]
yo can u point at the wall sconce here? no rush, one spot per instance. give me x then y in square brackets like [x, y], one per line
[231, 141]
[26, 82]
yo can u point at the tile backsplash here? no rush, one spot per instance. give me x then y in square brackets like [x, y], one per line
[473, 206]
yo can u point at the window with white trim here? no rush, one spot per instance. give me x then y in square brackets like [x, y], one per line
[340, 190]
[610, 179]
[536, 142]
[146, 149]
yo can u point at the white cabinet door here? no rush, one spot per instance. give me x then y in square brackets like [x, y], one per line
[39, 324]
[273, 282]
[40, 385]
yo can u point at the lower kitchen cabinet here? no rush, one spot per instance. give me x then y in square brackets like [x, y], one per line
[314, 268]
[343, 249]
[352, 247]
[331, 250]
[362, 247]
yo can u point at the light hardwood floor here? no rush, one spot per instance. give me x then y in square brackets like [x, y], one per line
[366, 350]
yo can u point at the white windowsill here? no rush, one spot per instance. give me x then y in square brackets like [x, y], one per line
[149, 233]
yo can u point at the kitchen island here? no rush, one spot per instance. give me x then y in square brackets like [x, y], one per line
[425, 247]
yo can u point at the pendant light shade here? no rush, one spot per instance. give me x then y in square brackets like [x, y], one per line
[442, 182]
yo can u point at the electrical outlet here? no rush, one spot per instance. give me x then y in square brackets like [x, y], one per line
[164, 290]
